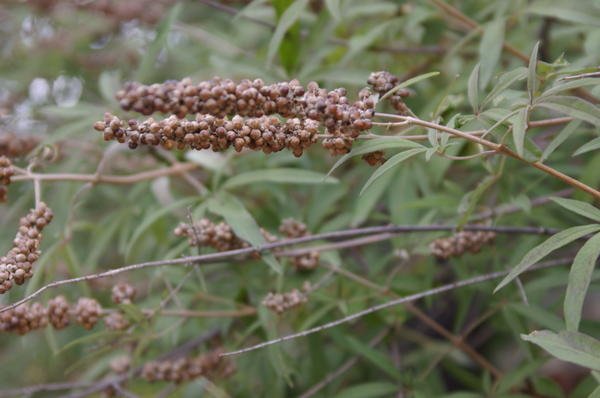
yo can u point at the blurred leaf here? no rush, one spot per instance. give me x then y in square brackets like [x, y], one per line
[242, 223]
[288, 18]
[147, 64]
[109, 83]
[568, 346]
[590, 146]
[390, 164]
[569, 85]
[470, 200]
[359, 43]
[367, 201]
[519, 125]
[570, 13]
[548, 246]
[473, 89]
[565, 133]
[576, 206]
[368, 390]
[572, 106]
[210, 160]
[333, 6]
[280, 176]
[490, 49]
[579, 281]
[532, 81]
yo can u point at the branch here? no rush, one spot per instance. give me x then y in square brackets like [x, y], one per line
[500, 149]
[245, 252]
[392, 303]
[178, 168]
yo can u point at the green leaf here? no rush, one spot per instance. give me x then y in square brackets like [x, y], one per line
[572, 106]
[595, 393]
[590, 146]
[287, 20]
[473, 89]
[409, 82]
[582, 208]
[490, 49]
[569, 85]
[146, 66]
[565, 133]
[566, 13]
[373, 145]
[367, 201]
[390, 164]
[504, 82]
[242, 223]
[358, 43]
[279, 176]
[532, 82]
[579, 281]
[369, 390]
[333, 6]
[109, 83]
[519, 125]
[551, 244]
[470, 200]
[568, 346]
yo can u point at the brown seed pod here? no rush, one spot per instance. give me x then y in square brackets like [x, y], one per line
[116, 321]
[24, 318]
[281, 302]
[59, 312]
[376, 158]
[291, 228]
[17, 145]
[179, 370]
[87, 312]
[17, 265]
[461, 242]
[382, 82]
[123, 293]
[121, 364]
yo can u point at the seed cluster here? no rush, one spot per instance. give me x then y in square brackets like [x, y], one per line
[6, 172]
[179, 370]
[265, 133]
[116, 321]
[384, 81]
[87, 312]
[254, 99]
[281, 302]
[123, 293]
[206, 233]
[375, 158]
[24, 318]
[59, 312]
[221, 237]
[291, 229]
[17, 265]
[461, 242]
[17, 145]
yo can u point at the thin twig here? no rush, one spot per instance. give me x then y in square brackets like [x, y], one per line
[245, 252]
[500, 148]
[392, 303]
[178, 168]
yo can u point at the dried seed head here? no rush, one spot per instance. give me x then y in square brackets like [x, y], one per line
[116, 321]
[178, 370]
[123, 293]
[59, 312]
[376, 158]
[461, 242]
[24, 318]
[281, 302]
[87, 311]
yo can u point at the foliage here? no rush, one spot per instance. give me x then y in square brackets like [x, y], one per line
[502, 128]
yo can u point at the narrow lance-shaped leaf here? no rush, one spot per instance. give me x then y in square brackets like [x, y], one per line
[473, 89]
[579, 281]
[519, 126]
[281, 176]
[490, 49]
[565, 133]
[590, 146]
[568, 346]
[582, 208]
[287, 20]
[504, 82]
[409, 82]
[390, 164]
[573, 106]
[532, 82]
[551, 244]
